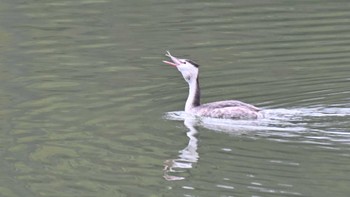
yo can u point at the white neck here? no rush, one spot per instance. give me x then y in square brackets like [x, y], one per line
[193, 99]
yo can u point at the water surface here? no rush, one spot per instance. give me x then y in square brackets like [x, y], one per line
[88, 108]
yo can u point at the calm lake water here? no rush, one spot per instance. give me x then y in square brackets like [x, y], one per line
[88, 108]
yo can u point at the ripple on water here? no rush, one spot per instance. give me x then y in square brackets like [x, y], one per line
[290, 124]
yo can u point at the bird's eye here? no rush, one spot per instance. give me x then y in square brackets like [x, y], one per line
[185, 62]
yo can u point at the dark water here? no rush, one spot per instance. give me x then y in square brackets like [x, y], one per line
[88, 109]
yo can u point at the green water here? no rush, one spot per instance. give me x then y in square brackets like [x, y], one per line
[84, 97]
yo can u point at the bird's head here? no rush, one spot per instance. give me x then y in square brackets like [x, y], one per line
[188, 68]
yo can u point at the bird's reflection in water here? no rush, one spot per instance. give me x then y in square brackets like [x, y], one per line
[187, 157]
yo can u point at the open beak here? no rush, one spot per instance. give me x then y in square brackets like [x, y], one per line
[175, 61]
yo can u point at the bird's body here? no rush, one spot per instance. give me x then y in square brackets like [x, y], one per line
[229, 109]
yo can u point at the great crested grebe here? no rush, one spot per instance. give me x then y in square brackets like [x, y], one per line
[229, 109]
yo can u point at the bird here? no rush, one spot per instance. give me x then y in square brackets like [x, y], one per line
[227, 109]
